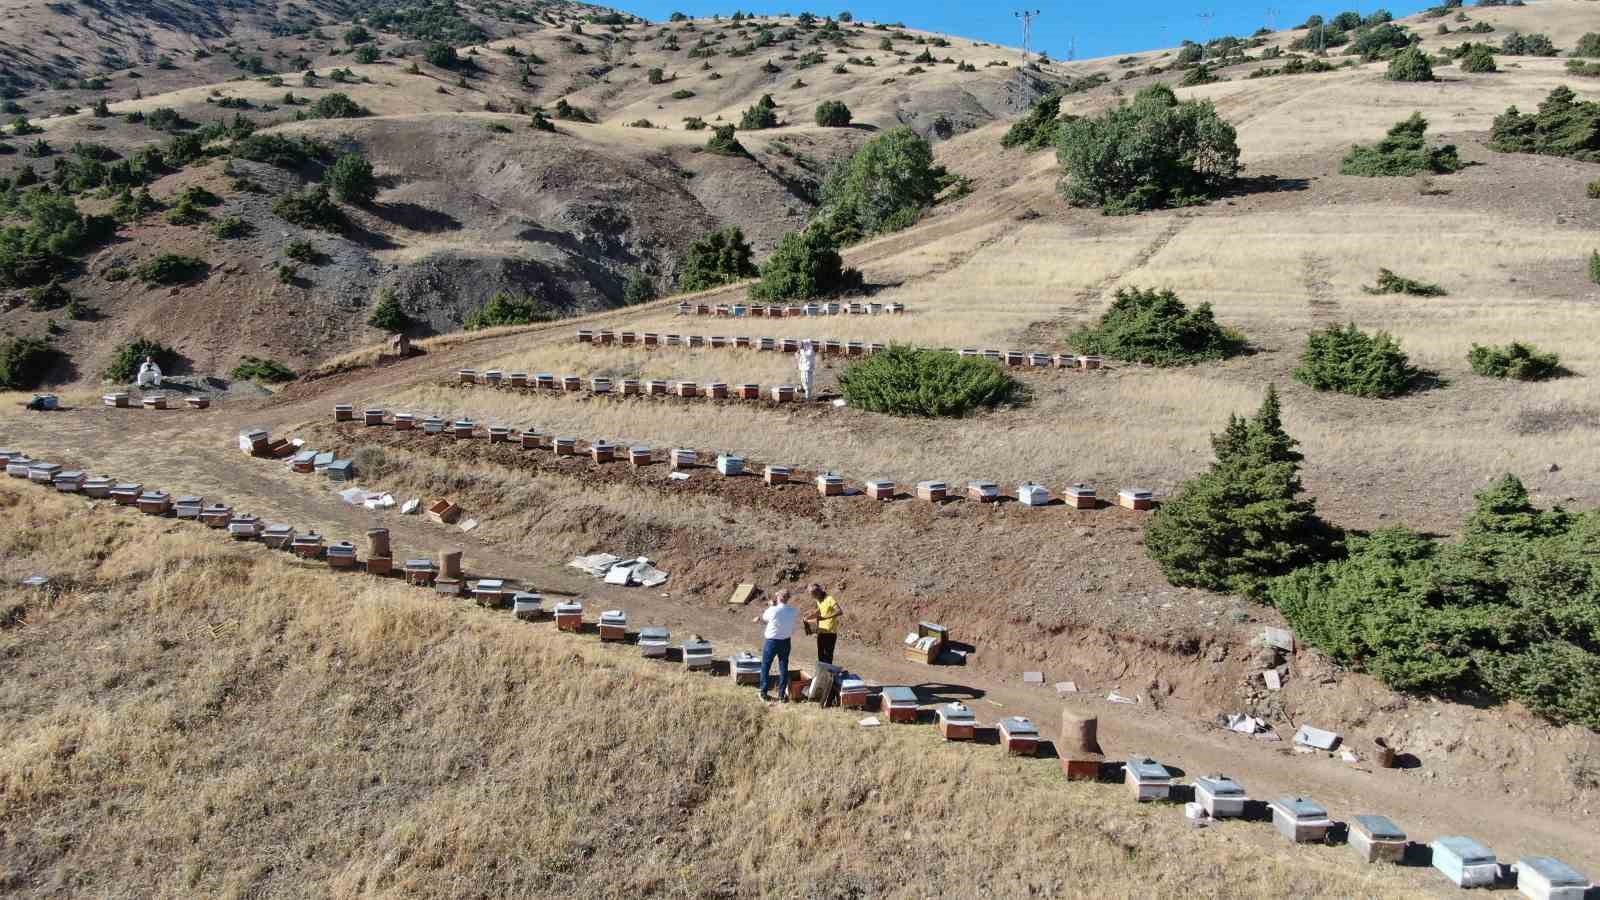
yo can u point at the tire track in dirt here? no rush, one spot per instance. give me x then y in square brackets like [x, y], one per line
[1316, 273]
[1085, 300]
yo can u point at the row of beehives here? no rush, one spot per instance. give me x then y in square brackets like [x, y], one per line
[630, 387]
[827, 347]
[122, 400]
[1375, 838]
[829, 484]
[740, 310]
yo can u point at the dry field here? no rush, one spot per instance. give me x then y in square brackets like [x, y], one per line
[157, 714]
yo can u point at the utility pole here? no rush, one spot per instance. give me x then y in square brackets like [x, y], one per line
[1272, 19]
[1027, 16]
[1207, 17]
[1072, 48]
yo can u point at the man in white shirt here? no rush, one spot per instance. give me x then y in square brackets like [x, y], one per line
[806, 360]
[779, 617]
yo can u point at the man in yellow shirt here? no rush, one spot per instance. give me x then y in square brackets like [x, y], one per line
[826, 616]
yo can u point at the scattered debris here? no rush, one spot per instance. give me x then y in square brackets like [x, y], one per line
[869, 722]
[410, 507]
[1282, 638]
[1115, 697]
[468, 525]
[742, 595]
[1245, 724]
[1066, 687]
[1273, 679]
[597, 564]
[1349, 756]
[679, 476]
[1033, 678]
[379, 501]
[1316, 738]
[619, 571]
[839, 402]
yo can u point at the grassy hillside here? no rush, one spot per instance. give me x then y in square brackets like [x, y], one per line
[191, 716]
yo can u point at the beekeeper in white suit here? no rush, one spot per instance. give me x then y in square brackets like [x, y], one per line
[806, 359]
[149, 373]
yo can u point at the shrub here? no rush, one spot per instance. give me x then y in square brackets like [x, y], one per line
[804, 265]
[45, 248]
[716, 259]
[722, 141]
[905, 381]
[389, 314]
[639, 289]
[25, 362]
[762, 115]
[255, 368]
[171, 268]
[336, 106]
[1243, 521]
[541, 122]
[1410, 64]
[682, 94]
[1197, 76]
[1390, 283]
[884, 187]
[1523, 362]
[355, 35]
[1403, 151]
[165, 118]
[1593, 189]
[300, 251]
[1516, 44]
[1154, 152]
[351, 180]
[125, 364]
[1350, 361]
[48, 296]
[1155, 328]
[1594, 266]
[507, 309]
[1478, 59]
[1563, 126]
[656, 76]
[570, 113]
[1039, 128]
[231, 228]
[442, 55]
[833, 114]
[1588, 45]
[311, 208]
[1508, 610]
[1375, 43]
[367, 55]
[280, 151]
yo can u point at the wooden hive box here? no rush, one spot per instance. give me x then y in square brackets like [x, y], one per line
[43, 472]
[155, 402]
[652, 339]
[685, 309]
[493, 377]
[776, 474]
[656, 387]
[421, 572]
[1016, 358]
[1136, 498]
[585, 336]
[443, 511]
[788, 345]
[854, 309]
[527, 605]
[1031, 494]
[900, 703]
[605, 337]
[927, 643]
[569, 616]
[702, 309]
[217, 515]
[1065, 361]
[1220, 796]
[811, 309]
[197, 402]
[730, 464]
[993, 355]
[632, 387]
[380, 565]
[278, 537]
[969, 353]
[833, 309]
[880, 489]
[855, 348]
[155, 503]
[1464, 861]
[445, 586]
[873, 347]
[244, 528]
[1147, 779]
[404, 421]
[749, 391]
[638, 456]
[499, 434]
[254, 441]
[1378, 839]
[571, 384]
[741, 342]
[830, 484]
[1300, 820]
[519, 379]
[832, 348]
[463, 428]
[654, 641]
[629, 338]
[545, 380]
[1080, 496]
[433, 425]
[957, 722]
[602, 452]
[932, 491]
[613, 626]
[490, 593]
[674, 340]
[766, 343]
[565, 446]
[306, 546]
[1039, 360]
[874, 309]
[696, 340]
[1548, 878]
[467, 376]
[1019, 736]
[719, 342]
[897, 308]
[98, 487]
[717, 390]
[69, 481]
[783, 393]
[686, 389]
[683, 458]
[118, 400]
[126, 494]
[983, 491]
[532, 440]
[697, 655]
[341, 555]
[853, 692]
[1090, 362]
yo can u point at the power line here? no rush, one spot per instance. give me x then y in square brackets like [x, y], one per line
[1027, 16]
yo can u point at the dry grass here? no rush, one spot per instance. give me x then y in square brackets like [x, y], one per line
[340, 737]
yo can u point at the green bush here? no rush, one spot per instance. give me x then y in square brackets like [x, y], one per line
[541, 122]
[231, 228]
[639, 289]
[1038, 129]
[1588, 45]
[507, 309]
[25, 362]
[301, 251]
[1410, 64]
[682, 94]
[1379, 41]
[1243, 521]
[312, 208]
[1563, 126]
[884, 187]
[724, 143]
[1155, 328]
[718, 258]
[1582, 69]
[442, 55]
[46, 247]
[254, 368]
[1517, 44]
[1154, 152]
[389, 314]
[1523, 362]
[567, 112]
[905, 381]
[1479, 60]
[171, 268]
[351, 180]
[833, 114]
[1509, 610]
[1197, 76]
[1594, 266]
[1350, 361]
[1593, 189]
[1390, 283]
[125, 365]
[280, 151]
[806, 264]
[336, 106]
[367, 55]
[656, 76]
[759, 116]
[1403, 151]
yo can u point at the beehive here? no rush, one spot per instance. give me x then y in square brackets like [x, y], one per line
[216, 515]
[527, 605]
[748, 391]
[783, 393]
[766, 343]
[697, 655]
[519, 379]
[992, 355]
[730, 464]
[683, 458]
[244, 527]
[404, 421]
[931, 490]
[463, 428]
[490, 593]
[832, 348]
[598, 385]
[68, 481]
[957, 722]
[687, 389]
[499, 434]
[632, 387]
[117, 400]
[788, 345]
[1147, 779]
[155, 401]
[695, 340]
[545, 380]
[874, 347]
[379, 565]
[155, 503]
[776, 474]
[741, 342]
[604, 337]
[833, 309]
[126, 494]
[1300, 820]
[565, 446]
[1089, 362]
[1031, 494]
[433, 425]
[278, 537]
[674, 340]
[655, 387]
[1465, 862]
[983, 491]
[900, 703]
[628, 338]
[341, 555]
[421, 572]
[467, 376]
[719, 342]
[1377, 839]
[197, 402]
[685, 309]
[1079, 746]
[569, 616]
[532, 440]
[638, 456]
[1136, 498]
[855, 348]
[585, 336]
[571, 384]
[493, 377]
[811, 309]
[1039, 360]
[98, 487]
[925, 645]
[445, 586]
[717, 390]
[880, 489]
[602, 452]
[1016, 358]
[1548, 878]
[654, 641]
[1080, 496]
[307, 546]
[852, 692]
[1066, 361]
[897, 308]
[969, 353]
[254, 441]
[17, 466]
[1220, 796]
[830, 484]
[651, 339]
[1019, 736]
[43, 472]
[443, 511]
[613, 626]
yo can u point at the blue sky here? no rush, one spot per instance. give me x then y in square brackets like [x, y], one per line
[1099, 29]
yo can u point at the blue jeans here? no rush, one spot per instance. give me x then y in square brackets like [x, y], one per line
[780, 649]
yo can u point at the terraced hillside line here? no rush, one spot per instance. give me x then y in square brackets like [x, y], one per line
[1086, 300]
[1316, 273]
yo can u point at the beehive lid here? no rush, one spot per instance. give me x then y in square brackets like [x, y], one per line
[526, 597]
[219, 508]
[190, 501]
[899, 695]
[465, 423]
[696, 648]
[613, 617]
[1136, 493]
[654, 635]
[569, 608]
[340, 465]
[374, 411]
[566, 440]
[1081, 490]
[987, 487]
[830, 478]
[322, 460]
[879, 484]
[957, 712]
[1302, 808]
[1380, 828]
[852, 683]
[254, 434]
[344, 407]
[279, 529]
[638, 450]
[51, 468]
[1144, 768]
[931, 485]
[69, 475]
[490, 584]
[1469, 851]
[304, 456]
[153, 495]
[342, 547]
[1219, 786]
[931, 628]
[1017, 726]
[1553, 870]
[415, 565]
[779, 470]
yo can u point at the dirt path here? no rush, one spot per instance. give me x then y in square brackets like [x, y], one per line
[200, 457]
[1316, 274]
